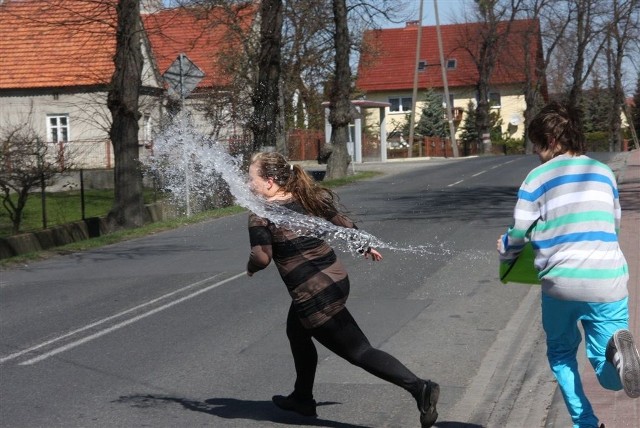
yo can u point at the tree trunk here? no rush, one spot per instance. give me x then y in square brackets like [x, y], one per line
[281, 141]
[486, 64]
[531, 98]
[265, 121]
[485, 69]
[583, 24]
[128, 207]
[482, 121]
[615, 130]
[341, 110]
[620, 33]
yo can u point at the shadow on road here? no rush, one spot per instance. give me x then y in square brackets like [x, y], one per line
[629, 198]
[232, 408]
[479, 203]
[451, 424]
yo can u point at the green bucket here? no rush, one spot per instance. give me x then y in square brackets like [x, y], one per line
[522, 269]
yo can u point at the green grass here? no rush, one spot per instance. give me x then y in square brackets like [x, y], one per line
[62, 208]
[350, 179]
[98, 203]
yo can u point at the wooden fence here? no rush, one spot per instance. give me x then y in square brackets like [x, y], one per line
[304, 144]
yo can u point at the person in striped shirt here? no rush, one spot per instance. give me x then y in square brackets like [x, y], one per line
[319, 286]
[568, 208]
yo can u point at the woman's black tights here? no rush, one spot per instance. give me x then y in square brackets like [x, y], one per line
[342, 336]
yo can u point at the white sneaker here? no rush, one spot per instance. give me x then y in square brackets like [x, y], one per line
[623, 354]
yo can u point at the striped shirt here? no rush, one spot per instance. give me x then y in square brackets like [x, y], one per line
[569, 209]
[315, 278]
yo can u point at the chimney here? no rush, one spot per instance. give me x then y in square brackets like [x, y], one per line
[411, 24]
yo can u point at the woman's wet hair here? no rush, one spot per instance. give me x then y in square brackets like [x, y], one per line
[315, 199]
[558, 123]
[273, 165]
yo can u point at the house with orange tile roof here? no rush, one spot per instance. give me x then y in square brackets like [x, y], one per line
[215, 41]
[386, 70]
[57, 63]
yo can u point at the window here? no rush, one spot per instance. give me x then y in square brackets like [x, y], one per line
[422, 64]
[494, 99]
[400, 104]
[451, 99]
[146, 128]
[58, 128]
[451, 64]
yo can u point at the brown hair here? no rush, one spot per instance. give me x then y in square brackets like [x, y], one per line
[315, 199]
[560, 123]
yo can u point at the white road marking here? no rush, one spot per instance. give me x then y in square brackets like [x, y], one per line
[116, 326]
[482, 172]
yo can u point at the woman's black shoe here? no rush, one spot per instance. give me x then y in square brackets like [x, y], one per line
[427, 403]
[291, 403]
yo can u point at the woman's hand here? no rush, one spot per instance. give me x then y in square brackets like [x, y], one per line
[375, 255]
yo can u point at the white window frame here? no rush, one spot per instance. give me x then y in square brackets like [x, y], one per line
[452, 64]
[58, 127]
[147, 128]
[401, 104]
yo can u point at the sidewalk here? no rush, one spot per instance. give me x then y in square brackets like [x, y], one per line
[615, 409]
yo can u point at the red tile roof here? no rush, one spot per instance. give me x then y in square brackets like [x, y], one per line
[50, 44]
[204, 36]
[390, 64]
[62, 43]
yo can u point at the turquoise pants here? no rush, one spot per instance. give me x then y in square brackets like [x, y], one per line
[599, 321]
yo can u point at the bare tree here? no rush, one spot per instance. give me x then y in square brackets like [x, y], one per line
[547, 31]
[123, 101]
[307, 61]
[589, 42]
[26, 162]
[624, 28]
[264, 123]
[309, 65]
[483, 42]
[574, 34]
[634, 113]
[342, 112]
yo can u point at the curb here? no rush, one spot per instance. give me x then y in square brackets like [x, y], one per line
[77, 231]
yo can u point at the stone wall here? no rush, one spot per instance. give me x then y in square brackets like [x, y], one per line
[72, 232]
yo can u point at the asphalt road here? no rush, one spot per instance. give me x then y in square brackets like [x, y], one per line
[167, 331]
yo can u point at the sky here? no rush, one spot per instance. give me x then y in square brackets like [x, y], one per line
[448, 10]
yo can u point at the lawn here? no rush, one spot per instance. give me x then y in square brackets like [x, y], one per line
[61, 208]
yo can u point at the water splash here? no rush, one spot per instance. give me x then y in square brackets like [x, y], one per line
[189, 165]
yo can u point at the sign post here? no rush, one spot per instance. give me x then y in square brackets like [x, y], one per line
[182, 77]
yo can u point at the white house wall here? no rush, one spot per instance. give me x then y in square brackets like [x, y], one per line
[89, 121]
[220, 132]
[511, 98]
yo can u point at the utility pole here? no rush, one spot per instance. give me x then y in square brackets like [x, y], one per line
[443, 67]
[412, 115]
